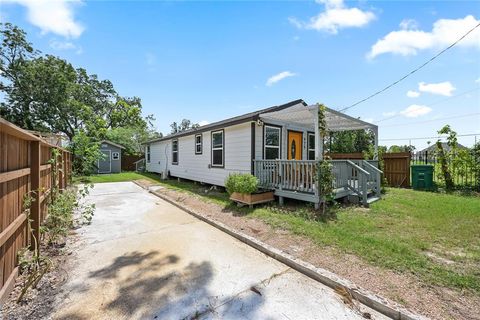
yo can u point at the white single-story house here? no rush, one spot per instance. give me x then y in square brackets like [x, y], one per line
[280, 145]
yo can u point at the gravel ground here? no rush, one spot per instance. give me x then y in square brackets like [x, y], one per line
[405, 289]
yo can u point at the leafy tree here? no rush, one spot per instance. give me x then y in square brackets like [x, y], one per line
[133, 137]
[445, 156]
[86, 154]
[46, 93]
[183, 126]
[15, 52]
[404, 148]
[350, 141]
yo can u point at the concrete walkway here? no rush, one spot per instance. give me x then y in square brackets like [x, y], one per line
[142, 258]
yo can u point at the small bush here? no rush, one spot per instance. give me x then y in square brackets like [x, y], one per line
[242, 183]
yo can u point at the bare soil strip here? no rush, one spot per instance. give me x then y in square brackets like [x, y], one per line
[405, 289]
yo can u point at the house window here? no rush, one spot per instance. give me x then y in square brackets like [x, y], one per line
[148, 154]
[175, 151]
[311, 146]
[115, 155]
[272, 142]
[198, 144]
[217, 149]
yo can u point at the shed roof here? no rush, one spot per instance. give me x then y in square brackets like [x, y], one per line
[113, 144]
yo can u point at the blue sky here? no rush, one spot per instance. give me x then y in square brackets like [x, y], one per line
[206, 61]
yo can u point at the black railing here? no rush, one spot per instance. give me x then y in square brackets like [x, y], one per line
[464, 167]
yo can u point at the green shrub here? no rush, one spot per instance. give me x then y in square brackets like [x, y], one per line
[242, 183]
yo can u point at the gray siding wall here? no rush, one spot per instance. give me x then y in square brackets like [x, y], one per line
[116, 164]
[195, 167]
[284, 140]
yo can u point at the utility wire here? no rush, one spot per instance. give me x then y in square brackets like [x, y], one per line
[423, 138]
[432, 104]
[411, 72]
[433, 120]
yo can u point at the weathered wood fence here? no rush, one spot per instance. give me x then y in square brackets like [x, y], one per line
[397, 169]
[25, 170]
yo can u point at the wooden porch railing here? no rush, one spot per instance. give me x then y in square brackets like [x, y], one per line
[358, 176]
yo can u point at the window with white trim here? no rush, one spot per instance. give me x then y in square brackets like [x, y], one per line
[217, 148]
[175, 151]
[198, 143]
[311, 146]
[272, 142]
[148, 154]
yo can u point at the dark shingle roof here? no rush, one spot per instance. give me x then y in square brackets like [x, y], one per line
[252, 116]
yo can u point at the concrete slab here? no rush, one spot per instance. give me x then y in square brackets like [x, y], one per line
[143, 258]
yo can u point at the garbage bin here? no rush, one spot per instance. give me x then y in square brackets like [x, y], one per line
[422, 177]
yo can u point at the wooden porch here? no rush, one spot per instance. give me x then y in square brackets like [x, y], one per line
[296, 179]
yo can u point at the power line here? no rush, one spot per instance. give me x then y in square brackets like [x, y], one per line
[432, 104]
[433, 120]
[411, 72]
[424, 138]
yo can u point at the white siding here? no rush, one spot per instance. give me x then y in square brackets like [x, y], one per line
[237, 144]
[258, 142]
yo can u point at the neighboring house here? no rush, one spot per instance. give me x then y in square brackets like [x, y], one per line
[433, 148]
[279, 145]
[430, 154]
[111, 161]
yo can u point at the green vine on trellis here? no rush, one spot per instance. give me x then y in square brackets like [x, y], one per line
[324, 167]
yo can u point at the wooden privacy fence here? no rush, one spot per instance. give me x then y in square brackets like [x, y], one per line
[25, 170]
[128, 161]
[396, 169]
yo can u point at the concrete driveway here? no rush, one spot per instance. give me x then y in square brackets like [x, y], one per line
[142, 258]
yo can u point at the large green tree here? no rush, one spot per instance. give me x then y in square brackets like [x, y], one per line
[350, 141]
[46, 93]
[183, 126]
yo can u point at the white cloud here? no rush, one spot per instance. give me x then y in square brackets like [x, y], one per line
[441, 88]
[336, 16]
[415, 110]
[150, 59]
[409, 40]
[65, 45]
[408, 24]
[55, 16]
[413, 94]
[477, 81]
[278, 77]
[389, 113]
[203, 123]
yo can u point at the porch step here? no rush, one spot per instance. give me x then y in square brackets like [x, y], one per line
[372, 199]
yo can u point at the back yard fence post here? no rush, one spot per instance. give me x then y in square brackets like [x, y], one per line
[35, 188]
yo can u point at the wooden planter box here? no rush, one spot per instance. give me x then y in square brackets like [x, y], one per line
[252, 198]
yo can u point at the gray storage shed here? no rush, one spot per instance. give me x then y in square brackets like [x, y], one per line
[111, 161]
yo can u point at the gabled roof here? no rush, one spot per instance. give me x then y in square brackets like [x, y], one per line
[445, 146]
[252, 116]
[112, 143]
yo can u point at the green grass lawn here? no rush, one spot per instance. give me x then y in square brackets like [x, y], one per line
[434, 236]
[431, 235]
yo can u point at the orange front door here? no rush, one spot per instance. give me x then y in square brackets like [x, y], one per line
[295, 143]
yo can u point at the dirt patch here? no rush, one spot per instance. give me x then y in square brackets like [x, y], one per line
[39, 302]
[405, 289]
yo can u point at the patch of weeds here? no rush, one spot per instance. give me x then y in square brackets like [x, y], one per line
[65, 212]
